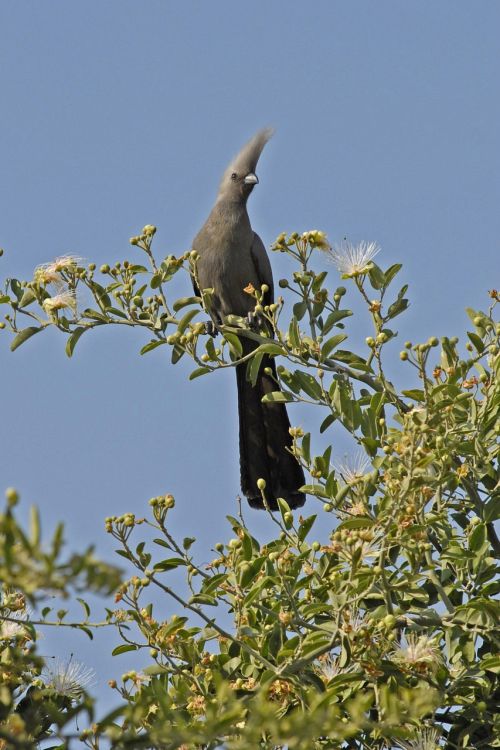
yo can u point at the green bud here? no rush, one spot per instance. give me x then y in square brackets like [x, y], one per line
[370, 341]
[283, 283]
[341, 290]
[433, 341]
[315, 546]
[12, 497]
[403, 356]
[104, 268]
[261, 484]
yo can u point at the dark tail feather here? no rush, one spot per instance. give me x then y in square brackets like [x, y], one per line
[264, 440]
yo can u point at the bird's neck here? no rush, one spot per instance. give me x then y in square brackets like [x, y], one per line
[232, 212]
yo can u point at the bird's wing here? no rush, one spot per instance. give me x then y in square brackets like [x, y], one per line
[262, 267]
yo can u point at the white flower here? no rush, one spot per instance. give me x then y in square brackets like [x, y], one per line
[69, 678]
[353, 260]
[420, 653]
[13, 627]
[353, 468]
[327, 667]
[50, 273]
[316, 238]
[60, 301]
[426, 739]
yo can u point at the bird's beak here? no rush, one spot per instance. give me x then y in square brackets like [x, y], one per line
[251, 179]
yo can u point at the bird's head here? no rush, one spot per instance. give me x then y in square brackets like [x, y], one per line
[239, 178]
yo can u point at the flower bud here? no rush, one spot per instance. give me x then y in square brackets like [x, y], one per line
[12, 497]
[261, 484]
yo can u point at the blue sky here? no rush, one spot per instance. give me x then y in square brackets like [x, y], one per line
[119, 114]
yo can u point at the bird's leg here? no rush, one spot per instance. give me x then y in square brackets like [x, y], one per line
[254, 320]
[210, 328]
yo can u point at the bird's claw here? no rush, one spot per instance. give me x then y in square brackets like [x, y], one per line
[210, 328]
[254, 320]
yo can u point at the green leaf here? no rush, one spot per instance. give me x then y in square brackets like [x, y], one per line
[153, 344]
[27, 298]
[491, 664]
[116, 312]
[330, 419]
[183, 301]
[156, 279]
[177, 353]
[277, 397]
[309, 385]
[294, 333]
[34, 526]
[477, 341]
[95, 315]
[198, 372]
[376, 276]
[271, 348]
[168, 564]
[73, 339]
[299, 310]
[305, 447]
[415, 394]
[235, 344]
[85, 606]
[332, 344]
[306, 526]
[24, 335]
[334, 318]
[123, 649]
[253, 368]
[396, 308]
[187, 318]
[391, 272]
[204, 599]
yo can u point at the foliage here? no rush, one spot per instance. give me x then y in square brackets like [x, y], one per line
[38, 701]
[385, 633]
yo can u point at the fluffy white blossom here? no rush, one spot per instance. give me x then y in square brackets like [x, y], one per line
[50, 273]
[353, 260]
[69, 678]
[14, 627]
[352, 468]
[419, 652]
[426, 739]
[64, 300]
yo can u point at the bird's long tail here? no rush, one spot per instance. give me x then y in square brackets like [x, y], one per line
[265, 442]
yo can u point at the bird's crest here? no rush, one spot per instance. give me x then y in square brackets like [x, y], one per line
[246, 160]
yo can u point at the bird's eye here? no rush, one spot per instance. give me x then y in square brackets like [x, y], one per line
[234, 176]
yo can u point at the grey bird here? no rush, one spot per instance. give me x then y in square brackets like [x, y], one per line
[232, 256]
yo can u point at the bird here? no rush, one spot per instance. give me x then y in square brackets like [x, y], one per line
[232, 258]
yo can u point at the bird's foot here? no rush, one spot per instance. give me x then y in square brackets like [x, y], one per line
[210, 328]
[254, 320]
